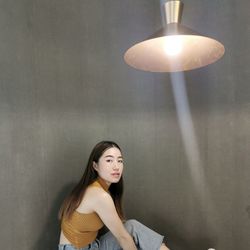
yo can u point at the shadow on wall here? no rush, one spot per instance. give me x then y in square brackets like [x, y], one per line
[49, 237]
[177, 239]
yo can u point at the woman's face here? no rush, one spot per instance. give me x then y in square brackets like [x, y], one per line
[110, 165]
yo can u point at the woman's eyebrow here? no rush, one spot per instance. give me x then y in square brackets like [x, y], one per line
[108, 156]
[112, 156]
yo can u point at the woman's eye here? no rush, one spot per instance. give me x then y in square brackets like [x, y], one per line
[109, 160]
[120, 161]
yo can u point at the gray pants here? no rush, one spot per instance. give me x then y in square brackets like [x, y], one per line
[144, 238]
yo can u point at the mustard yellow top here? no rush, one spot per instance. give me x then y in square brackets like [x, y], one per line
[81, 229]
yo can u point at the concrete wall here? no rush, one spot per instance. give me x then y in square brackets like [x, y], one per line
[64, 86]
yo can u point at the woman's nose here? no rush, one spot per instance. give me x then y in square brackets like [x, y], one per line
[116, 165]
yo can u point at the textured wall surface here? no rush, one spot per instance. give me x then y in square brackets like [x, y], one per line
[64, 86]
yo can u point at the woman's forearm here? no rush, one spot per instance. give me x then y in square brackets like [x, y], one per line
[127, 243]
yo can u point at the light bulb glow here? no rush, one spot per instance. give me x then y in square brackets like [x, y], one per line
[173, 45]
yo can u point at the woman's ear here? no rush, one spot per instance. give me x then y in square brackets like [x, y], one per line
[95, 166]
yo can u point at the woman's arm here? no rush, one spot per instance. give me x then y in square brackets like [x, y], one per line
[104, 206]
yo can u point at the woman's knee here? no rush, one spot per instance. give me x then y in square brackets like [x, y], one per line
[131, 224]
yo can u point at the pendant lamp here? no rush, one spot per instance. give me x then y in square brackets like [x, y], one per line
[175, 47]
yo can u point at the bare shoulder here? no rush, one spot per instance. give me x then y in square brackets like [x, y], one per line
[96, 192]
[93, 197]
[98, 195]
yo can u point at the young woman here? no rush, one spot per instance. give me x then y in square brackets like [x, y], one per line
[96, 201]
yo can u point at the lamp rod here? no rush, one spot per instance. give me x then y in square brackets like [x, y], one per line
[173, 11]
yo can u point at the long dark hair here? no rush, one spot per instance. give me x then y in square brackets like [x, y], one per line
[74, 199]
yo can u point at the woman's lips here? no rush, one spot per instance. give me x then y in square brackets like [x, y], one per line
[116, 174]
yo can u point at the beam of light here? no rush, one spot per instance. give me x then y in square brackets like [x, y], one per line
[191, 148]
[187, 129]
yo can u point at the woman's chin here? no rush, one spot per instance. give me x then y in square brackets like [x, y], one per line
[116, 180]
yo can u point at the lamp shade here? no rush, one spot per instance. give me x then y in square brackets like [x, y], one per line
[174, 48]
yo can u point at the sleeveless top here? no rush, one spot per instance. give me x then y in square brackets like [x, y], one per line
[81, 229]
